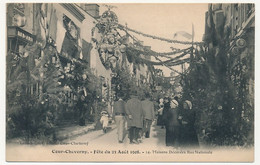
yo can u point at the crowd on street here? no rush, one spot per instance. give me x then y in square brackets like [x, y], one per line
[135, 117]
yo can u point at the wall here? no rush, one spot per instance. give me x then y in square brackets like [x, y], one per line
[86, 33]
[29, 18]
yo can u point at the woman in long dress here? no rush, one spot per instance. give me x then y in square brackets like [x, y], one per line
[188, 133]
[172, 124]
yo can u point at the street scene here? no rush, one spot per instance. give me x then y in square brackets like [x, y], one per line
[98, 138]
[134, 79]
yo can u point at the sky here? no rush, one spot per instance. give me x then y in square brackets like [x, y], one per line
[162, 20]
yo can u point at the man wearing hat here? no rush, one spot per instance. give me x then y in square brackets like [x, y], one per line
[134, 113]
[119, 116]
[148, 111]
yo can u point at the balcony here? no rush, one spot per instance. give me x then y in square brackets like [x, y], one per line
[22, 35]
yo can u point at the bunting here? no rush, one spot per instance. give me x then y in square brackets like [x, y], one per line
[60, 35]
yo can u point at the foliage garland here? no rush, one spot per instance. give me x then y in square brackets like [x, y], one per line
[158, 38]
[135, 53]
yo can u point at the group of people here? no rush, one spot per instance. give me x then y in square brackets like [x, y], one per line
[138, 116]
[135, 114]
[178, 122]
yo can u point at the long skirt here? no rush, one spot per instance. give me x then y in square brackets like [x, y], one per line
[189, 137]
[160, 121]
[172, 136]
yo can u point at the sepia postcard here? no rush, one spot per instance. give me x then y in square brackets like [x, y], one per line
[130, 82]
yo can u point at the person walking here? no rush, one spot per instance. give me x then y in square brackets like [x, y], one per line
[148, 112]
[172, 124]
[119, 116]
[188, 132]
[80, 105]
[166, 107]
[134, 113]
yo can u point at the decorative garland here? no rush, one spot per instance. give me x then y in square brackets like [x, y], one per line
[168, 66]
[168, 62]
[131, 50]
[158, 38]
[111, 46]
[168, 53]
[133, 56]
[179, 62]
[145, 51]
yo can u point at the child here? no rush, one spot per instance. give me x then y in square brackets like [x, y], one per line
[104, 120]
[160, 113]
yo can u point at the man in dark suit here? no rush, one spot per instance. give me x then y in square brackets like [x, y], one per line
[134, 113]
[148, 111]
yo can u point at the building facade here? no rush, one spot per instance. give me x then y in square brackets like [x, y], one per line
[75, 33]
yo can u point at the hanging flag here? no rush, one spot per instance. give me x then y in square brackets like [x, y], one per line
[53, 25]
[41, 25]
[60, 35]
[183, 34]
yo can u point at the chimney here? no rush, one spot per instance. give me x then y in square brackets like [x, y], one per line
[92, 9]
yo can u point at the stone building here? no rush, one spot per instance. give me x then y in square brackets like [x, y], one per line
[73, 30]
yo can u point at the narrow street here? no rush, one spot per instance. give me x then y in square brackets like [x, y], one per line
[99, 139]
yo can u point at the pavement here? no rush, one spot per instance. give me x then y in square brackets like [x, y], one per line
[99, 139]
[70, 132]
[67, 132]
[73, 131]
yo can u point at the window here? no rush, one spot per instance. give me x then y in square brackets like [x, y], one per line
[71, 28]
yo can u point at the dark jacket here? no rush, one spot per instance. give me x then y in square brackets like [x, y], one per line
[171, 117]
[166, 107]
[119, 107]
[134, 108]
[148, 109]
